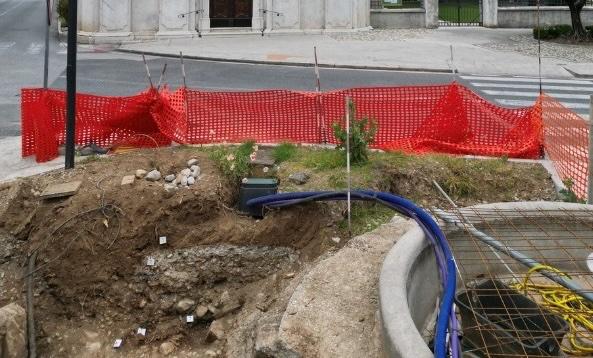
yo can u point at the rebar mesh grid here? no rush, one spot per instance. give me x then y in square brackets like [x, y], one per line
[509, 311]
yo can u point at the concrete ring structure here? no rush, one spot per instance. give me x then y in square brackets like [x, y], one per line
[409, 285]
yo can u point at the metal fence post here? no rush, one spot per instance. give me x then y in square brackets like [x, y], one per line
[590, 159]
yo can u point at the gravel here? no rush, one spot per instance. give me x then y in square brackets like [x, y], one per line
[527, 45]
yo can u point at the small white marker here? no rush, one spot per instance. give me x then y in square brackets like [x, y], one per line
[142, 331]
[150, 261]
[117, 343]
[189, 319]
[590, 262]
[162, 240]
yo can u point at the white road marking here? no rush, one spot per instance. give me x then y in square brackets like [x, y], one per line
[536, 94]
[522, 103]
[524, 79]
[532, 87]
[20, 3]
[6, 45]
[35, 48]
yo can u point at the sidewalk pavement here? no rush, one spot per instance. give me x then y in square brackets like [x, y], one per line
[12, 166]
[475, 51]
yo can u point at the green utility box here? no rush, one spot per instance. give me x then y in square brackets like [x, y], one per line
[252, 188]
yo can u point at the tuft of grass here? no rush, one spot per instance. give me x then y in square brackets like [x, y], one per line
[234, 161]
[284, 152]
[366, 217]
[324, 159]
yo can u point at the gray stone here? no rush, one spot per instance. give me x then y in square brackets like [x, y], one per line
[191, 181]
[169, 178]
[86, 151]
[196, 171]
[185, 305]
[153, 175]
[183, 181]
[186, 172]
[192, 162]
[13, 331]
[166, 348]
[140, 173]
[299, 178]
[128, 180]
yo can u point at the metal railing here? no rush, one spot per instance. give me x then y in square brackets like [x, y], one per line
[513, 3]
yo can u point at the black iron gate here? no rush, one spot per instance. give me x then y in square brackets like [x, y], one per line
[460, 12]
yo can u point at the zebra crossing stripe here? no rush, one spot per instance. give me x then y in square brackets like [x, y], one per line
[524, 80]
[6, 45]
[533, 87]
[536, 94]
[35, 48]
[524, 103]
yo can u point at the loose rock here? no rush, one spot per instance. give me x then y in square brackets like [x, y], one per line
[140, 173]
[128, 180]
[299, 178]
[336, 240]
[191, 181]
[184, 305]
[167, 348]
[201, 311]
[196, 171]
[13, 327]
[192, 162]
[186, 172]
[183, 181]
[170, 187]
[169, 178]
[216, 331]
[153, 175]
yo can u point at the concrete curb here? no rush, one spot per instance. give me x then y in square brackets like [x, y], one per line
[294, 64]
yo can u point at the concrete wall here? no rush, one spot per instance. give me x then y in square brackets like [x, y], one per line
[525, 16]
[398, 18]
[126, 20]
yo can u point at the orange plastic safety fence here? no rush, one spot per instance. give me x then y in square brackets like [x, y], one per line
[100, 120]
[445, 118]
[566, 138]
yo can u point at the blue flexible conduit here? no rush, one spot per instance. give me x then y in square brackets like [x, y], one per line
[446, 318]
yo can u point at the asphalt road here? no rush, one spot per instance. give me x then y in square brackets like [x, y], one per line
[104, 71]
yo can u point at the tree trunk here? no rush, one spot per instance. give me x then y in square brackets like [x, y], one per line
[576, 6]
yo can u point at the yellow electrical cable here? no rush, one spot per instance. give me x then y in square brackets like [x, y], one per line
[575, 310]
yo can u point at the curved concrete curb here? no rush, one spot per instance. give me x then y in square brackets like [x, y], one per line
[287, 63]
[409, 275]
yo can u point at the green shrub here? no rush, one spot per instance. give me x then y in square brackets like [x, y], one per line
[284, 152]
[552, 32]
[362, 134]
[63, 10]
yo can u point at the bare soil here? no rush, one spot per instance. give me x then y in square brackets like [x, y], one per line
[92, 281]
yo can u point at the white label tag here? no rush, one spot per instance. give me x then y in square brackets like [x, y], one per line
[189, 319]
[117, 343]
[150, 261]
[162, 240]
[142, 331]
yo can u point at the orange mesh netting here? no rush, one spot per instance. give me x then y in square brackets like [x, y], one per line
[566, 135]
[444, 118]
[100, 120]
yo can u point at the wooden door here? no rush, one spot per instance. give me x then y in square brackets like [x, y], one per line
[231, 13]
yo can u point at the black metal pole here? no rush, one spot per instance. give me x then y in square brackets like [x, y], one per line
[46, 58]
[71, 82]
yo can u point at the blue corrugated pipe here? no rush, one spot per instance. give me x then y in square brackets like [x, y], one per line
[446, 315]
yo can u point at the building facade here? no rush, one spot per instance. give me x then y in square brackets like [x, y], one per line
[128, 20]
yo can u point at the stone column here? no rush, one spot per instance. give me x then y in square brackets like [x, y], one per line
[257, 21]
[490, 13]
[431, 8]
[171, 23]
[115, 18]
[204, 16]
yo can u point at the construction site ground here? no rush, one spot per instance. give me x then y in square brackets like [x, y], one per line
[291, 284]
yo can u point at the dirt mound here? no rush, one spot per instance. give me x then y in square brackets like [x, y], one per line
[94, 248]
